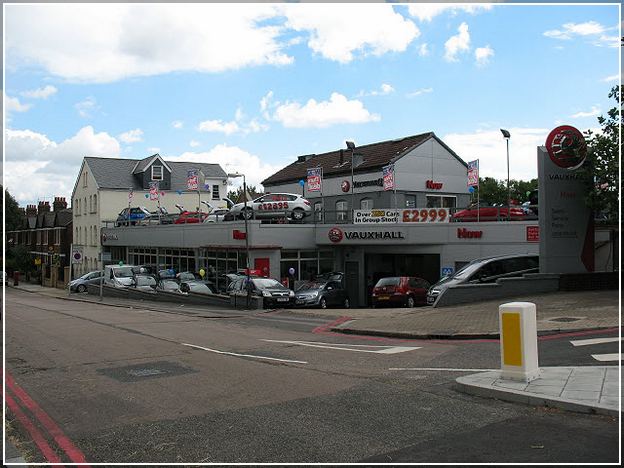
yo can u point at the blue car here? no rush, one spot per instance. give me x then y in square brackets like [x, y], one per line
[132, 216]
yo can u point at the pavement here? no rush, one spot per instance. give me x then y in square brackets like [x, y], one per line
[590, 389]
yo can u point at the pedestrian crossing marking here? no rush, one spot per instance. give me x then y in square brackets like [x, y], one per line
[593, 341]
[607, 357]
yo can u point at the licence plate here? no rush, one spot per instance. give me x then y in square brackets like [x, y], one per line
[282, 299]
[383, 298]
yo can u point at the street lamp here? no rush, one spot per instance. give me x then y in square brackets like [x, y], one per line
[351, 146]
[245, 214]
[507, 135]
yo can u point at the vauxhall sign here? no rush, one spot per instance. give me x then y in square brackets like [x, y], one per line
[337, 235]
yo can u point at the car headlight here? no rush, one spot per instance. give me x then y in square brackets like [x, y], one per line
[291, 294]
[434, 291]
[266, 294]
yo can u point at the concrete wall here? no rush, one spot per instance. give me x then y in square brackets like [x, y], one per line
[129, 293]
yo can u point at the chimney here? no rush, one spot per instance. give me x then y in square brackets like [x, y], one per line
[31, 210]
[59, 203]
[341, 157]
[44, 207]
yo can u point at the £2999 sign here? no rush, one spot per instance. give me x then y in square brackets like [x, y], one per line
[415, 215]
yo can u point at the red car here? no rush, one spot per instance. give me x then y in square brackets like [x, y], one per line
[191, 217]
[490, 213]
[400, 291]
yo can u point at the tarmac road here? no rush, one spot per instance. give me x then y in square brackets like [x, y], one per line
[135, 385]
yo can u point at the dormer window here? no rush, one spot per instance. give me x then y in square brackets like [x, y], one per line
[157, 172]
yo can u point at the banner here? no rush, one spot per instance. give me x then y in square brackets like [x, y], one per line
[403, 216]
[388, 177]
[315, 179]
[192, 180]
[473, 173]
[154, 191]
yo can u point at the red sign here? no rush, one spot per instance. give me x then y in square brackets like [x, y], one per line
[335, 235]
[532, 233]
[433, 185]
[238, 235]
[566, 147]
[345, 186]
[463, 233]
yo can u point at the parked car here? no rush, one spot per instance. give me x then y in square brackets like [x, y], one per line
[146, 283]
[120, 276]
[489, 213]
[197, 286]
[216, 216]
[185, 276]
[321, 294]
[156, 217]
[132, 216]
[400, 290]
[274, 205]
[274, 293]
[169, 285]
[191, 217]
[80, 284]
[486, 270]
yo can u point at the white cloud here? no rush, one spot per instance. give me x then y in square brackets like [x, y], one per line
[383, 90]
[13, 105]
[419, 92]
[153, 150]
[38, 167]
[590, 29]
[177, 124]
[338, 110]
[608, 79]
[109, 42]
[194, 143]
[227, 128]
[489, 147]
[132, 136]
[338, 31]
[423, 50]
[594, 112]
[483, 54]
[427, 11]
[40, 93]
[232, 159]
[86, 107]
[458, 43]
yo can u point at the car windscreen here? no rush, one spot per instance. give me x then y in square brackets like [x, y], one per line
[388, 282]
[123, 272]
[264, 283]
[199, 287]
[145, 281]
[186, 276]
[466, 271]
[169, 285]
[311, 285]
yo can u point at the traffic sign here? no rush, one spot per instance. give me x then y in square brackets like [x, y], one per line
[76, 256]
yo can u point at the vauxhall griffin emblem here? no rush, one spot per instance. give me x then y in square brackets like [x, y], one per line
[566, 147]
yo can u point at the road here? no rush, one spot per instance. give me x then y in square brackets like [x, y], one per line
[117, 384]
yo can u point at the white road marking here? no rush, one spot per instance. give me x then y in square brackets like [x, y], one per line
[607, 357]
[241, 355]
[439, 369]
[348, 347]
[594, 341]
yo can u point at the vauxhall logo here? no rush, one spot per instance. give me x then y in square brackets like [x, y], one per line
[336, 235]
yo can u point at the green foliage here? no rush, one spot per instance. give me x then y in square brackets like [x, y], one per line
[18, 259]
[237, 195]
[493, 191]
[14, 218]
[602, 166]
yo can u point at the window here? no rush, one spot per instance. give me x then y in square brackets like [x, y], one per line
[85, 175]
[318, 211]
[157, 173]
[215, 192]
[57, 237]
[90, 203]
[366, 204]
[341, 210]
[84, 207]
[94, 203]
[438, 201]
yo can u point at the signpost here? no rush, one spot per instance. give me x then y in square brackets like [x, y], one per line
[473, 179]
[76, 258]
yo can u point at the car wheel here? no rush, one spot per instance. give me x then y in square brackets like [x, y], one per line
[410, 302]
[81, 288]
[346, 303]
[298, 214]
[323, 303]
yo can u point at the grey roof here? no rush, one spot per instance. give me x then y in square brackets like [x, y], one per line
[116, 173]
[63, 217]
[142, 164]
[48, 219]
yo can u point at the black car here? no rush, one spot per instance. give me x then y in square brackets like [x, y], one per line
[321, 294]
[273, 293]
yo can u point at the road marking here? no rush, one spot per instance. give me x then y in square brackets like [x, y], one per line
[241, 355]
[349, 347]
[607, 357]
[594, 341]
[439, 369]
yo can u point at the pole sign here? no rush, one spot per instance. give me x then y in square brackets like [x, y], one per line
[130, 194]
[473, 173]
[76, 256]
[315, 179]
[153, 190]
[388, 177]
[192, 180]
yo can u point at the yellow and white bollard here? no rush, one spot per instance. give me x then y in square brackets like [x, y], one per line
[518, 341]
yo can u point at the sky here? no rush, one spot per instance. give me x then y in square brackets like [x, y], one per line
[253, 86]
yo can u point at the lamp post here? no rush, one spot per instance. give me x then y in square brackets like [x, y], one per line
[507, 135]
[234, 176]
[351, 146]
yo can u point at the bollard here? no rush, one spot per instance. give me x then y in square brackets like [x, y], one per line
[518, 341]
[16, 277]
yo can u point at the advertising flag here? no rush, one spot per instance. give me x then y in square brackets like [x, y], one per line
[315, 179]
[388, 177]
[192, 180]
[154, 191]
[473, 173]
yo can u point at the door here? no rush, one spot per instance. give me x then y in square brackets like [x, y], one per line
[352, 282]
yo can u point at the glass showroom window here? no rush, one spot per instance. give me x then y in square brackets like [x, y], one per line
[341, 210]
[318, 211]
[439, 201]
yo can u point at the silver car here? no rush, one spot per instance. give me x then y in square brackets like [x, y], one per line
[274, 205]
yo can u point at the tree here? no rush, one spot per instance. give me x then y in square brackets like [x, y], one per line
[237, 195]
[602, 168]
[14, 217]
[494, 191]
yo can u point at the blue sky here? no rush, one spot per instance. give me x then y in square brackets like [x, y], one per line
[253, 86]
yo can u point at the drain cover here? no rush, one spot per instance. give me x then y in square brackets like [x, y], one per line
[148, 370]
[565, 319]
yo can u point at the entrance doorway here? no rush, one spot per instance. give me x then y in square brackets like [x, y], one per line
[352, 282]
[426, 266]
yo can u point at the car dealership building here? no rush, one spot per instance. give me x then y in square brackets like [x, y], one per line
[357, 227]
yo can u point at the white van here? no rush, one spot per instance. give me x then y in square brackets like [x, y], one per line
[118, 276]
